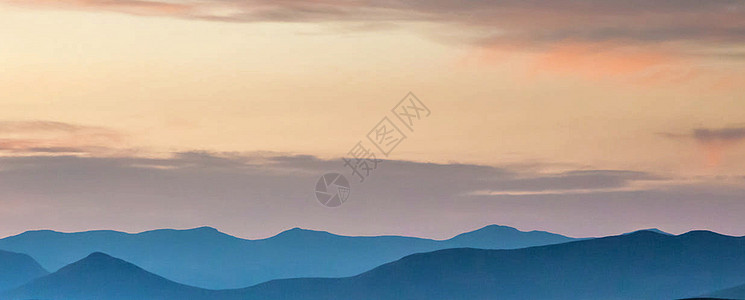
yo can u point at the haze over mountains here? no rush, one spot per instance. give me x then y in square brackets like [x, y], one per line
[641, 265]
[207, 258]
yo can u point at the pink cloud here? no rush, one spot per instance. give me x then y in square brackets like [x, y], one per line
[601, 59]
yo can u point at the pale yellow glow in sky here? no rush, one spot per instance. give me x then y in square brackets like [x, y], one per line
[173, 85]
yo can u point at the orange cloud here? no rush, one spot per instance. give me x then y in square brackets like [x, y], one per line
[594, 61]
[600, 60]
[714, 152]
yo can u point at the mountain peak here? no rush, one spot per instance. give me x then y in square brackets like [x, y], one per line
[100, 260]
[488, 230]
[505, 237]
[96, 276]
[653, 230]
[643, 233]
[298, 233]
[205, 228]
[499, 229]
[202, 229]
[298, 230]
[495, 227]
[703, 234]
[99, 256]
[657, 230]
[198, 232]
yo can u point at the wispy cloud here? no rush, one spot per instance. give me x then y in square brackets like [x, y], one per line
[709, 135]
[572, 182]
[29, 137]
[650, 42]
[715, 142]
[512, 21]
[719, 135]
[136, 7]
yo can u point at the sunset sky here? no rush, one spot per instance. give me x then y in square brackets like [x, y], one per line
[584, 118]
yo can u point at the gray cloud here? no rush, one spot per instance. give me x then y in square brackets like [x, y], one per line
[260, 194]
[710, 135]
[57, 150]
[723, 134]
[531, 23]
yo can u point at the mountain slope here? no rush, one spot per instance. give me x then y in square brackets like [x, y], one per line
[17, 269]
[207, 258]
[100, 276]
[642, 265]
[737, 292]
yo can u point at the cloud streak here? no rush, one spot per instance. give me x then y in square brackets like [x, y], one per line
[637, 41]
[534, 23]
[710, 135]
[714, 142]
[719, 135]
[36, 137]
[135, 7]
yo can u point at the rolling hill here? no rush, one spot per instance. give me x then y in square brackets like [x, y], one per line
[17, 269]
[641, 265]
[207, 258]
[102, 277]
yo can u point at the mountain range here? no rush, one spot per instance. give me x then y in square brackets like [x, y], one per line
[207, 258]
[640, 265]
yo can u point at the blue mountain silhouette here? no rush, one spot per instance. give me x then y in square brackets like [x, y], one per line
[207, 258]
[102, 277]
[655, 230]
[641, 265]
[17, 269]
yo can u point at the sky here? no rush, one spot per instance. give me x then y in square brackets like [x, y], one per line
[582, 118]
